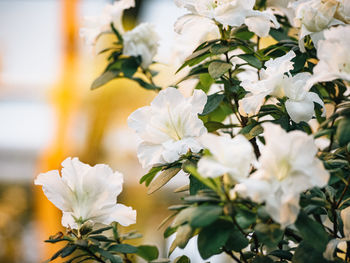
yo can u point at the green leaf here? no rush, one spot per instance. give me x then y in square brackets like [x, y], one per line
[218, 68]
[279, 34]
[213, 103]
[68, 250]
[182, 259]
[116, 32]
[162, 179]
[214, 126]
[57, 254]
[184, 216]
[106, 254]
[299, 62]
[270, 235]
[282, 254]
[306, 253]
[99, 238]
[55, 240]
[251, 60]
[130, 66]
[245, 35]
[123, 248]
[312, 232]
[245, 217]
[147, 178]
[99, 231]
[147, 252]
[105, 78]
[236, 241]
[205, 81]
[183, 235]
[343, 131]
[196, 57]
[196, 185]
[206, 181]
[219, 48]
[212, 238]
[146, 85]
[262, 259]
[169, 231]
[205, 215]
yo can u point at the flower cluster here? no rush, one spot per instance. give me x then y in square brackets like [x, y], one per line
[141, 41]
[86, 194]
[260, 188]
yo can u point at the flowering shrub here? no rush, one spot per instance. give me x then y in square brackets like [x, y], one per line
[268, 168]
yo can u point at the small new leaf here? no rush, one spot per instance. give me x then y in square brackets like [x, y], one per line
[162, 179]
[105, 78]
[218, 68]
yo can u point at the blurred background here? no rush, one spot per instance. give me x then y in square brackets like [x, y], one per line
[48, 113]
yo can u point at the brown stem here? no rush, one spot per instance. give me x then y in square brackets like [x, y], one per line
[228, 252]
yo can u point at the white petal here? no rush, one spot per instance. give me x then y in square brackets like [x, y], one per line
[122, 214]
[68, 220]
[315, 98]
[300, 110]
[150, 154]
[259, 25]
[345, 216]
[209, 167]
[198, 101]
[55, 189]
[251, 103]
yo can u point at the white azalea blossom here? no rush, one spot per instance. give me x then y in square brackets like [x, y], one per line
[343, 11]
[141, 41]
[284, 7]
[287, 167]
[169, 127]
[86, 194]
[345, 217]
[274, 82]
[313, 17]
[271, 83]
[333, 65]
[226, 12]
[300, 103]
[339, 242]
[231, 156]
[95, 26]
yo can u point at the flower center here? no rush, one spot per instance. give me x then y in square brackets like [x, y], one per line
[284, 169]
[174, 126]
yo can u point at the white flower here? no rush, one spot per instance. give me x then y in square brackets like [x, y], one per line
[141, 41]
[271, 82]
[231, 156]
[333, 65]
[95, 26]
[287, 167]
[343, 11]
[274, 82]
[86, 193]
[345, 217]
[340, 243]
[170, 127]
[192, 31]
[228, 13]
[314, 16]
[300, 103]
[283, 6]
